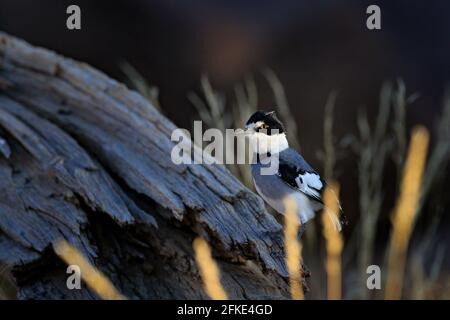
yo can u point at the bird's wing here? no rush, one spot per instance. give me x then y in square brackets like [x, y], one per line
[296, 172]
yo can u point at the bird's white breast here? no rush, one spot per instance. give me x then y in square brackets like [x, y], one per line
[262, 143]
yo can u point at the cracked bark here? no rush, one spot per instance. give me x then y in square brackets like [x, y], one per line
[85, 159]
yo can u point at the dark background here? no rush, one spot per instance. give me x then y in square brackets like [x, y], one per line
[313, 46]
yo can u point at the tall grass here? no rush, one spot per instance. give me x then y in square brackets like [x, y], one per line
[209, 270]
[93, 277]
[425, 285]
[406, 210]
[329, 154]
[141, 85]
[373, 149]
[334, 242]
[440, 154]
[293, 248]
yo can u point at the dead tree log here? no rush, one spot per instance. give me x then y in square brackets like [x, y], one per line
[85, 159]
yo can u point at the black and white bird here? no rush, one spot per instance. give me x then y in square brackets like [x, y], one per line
[293, 176]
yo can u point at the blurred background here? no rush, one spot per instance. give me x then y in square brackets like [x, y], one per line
[219, 60]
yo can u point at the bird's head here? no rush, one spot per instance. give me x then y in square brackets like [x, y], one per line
[266, 132]
[265, 123]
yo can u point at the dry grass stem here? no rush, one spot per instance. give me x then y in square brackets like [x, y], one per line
[209, 270]
[329, 153]
[334, 241]
[94, 278]
[374, 148]
[405, 211]
[293, 248]
[141, 84]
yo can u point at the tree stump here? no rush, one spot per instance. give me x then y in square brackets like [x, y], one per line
[85, 159]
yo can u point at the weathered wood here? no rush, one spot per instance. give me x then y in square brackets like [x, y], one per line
[85, 159]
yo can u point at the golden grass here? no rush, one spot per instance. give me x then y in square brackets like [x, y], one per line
[209, 270]
[406, 210]
[293, 248]
[334, 242]
[94, 278]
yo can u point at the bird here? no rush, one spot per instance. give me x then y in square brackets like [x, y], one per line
[293, 177]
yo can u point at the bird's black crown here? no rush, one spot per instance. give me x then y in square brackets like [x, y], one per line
[269, 122]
